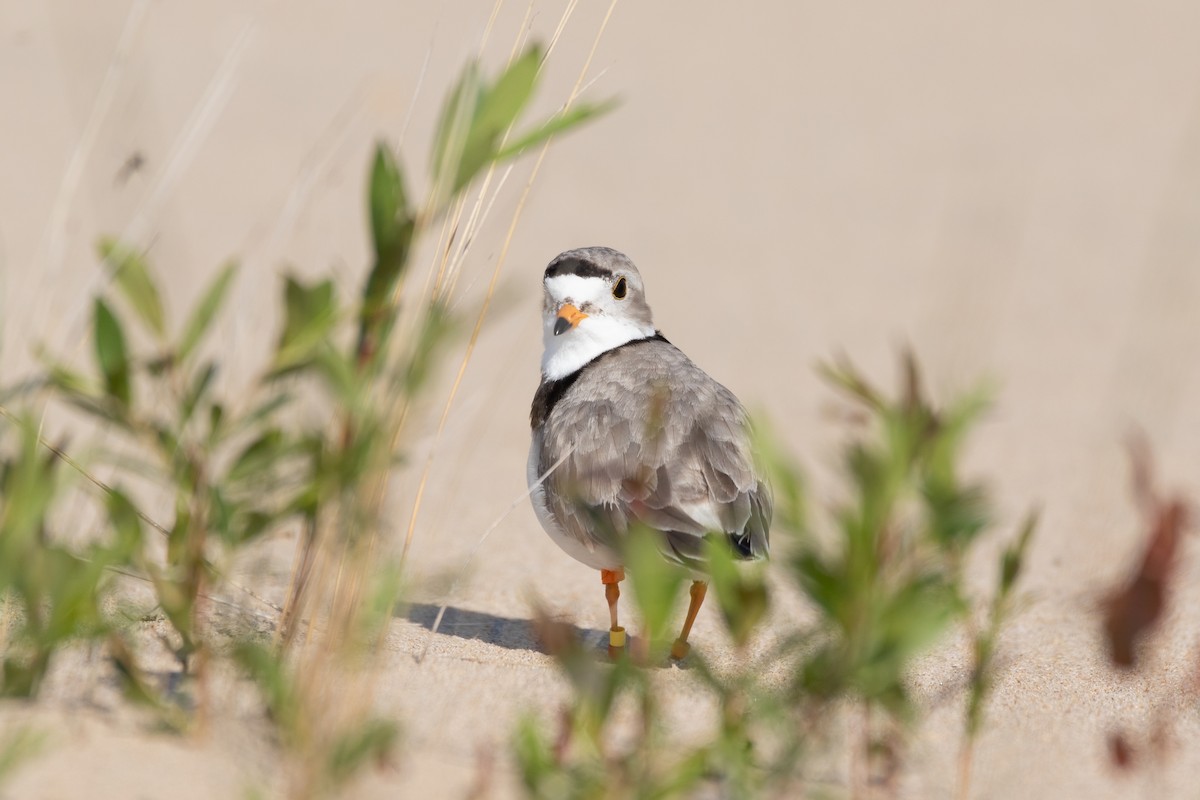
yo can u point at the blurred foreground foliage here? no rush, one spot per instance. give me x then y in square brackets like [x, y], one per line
[235, 470]
[885, 579]
[1135, 612]
[883, 575]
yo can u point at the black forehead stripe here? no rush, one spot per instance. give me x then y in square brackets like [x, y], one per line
[577, 266]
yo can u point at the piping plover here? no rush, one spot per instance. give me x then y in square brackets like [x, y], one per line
[628, 431]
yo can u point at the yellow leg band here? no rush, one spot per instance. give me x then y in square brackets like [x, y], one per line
[616, 637]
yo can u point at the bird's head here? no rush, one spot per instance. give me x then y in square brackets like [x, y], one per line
[594, 301]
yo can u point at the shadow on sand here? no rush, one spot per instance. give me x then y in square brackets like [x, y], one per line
[512, 634]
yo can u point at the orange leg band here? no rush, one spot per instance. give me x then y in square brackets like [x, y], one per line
[608, 576]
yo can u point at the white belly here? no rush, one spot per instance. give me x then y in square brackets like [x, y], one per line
[593, 555]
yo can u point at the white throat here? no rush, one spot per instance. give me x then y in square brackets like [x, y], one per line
[569, 351]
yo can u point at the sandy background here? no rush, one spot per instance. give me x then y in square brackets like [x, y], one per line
[1012, 188]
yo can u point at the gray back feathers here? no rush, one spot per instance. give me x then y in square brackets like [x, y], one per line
[649, 438]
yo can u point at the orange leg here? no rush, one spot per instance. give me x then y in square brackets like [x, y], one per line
[681, 647]
[612, 592]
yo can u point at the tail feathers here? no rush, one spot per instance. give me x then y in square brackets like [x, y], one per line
[742, 546]
[747, 546]
[687, 550]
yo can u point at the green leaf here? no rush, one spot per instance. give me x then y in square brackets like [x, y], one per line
[392, 229]
[741, 594]
[133, 279]
[559, 123]
[261, 414]
[168, 444]
[201, 383]
[454, 122]
[103, 408]
[310, 316]
[216, 420]
[505, 101]
[656, 581]
[126, 524]
[260, 455]
[111, 353]
[498, 107]
[1012, 562]
[69, 382]
[202, 315]
[534, 756]
[340, 376]
[371, 740]
[29, 483]
[391, 219]
[476, 117]
[843, 375]
[824, 584]
[957, 515]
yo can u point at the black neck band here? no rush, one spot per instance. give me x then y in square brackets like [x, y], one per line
[550, 392]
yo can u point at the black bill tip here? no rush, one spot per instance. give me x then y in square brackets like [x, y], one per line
[561, 326]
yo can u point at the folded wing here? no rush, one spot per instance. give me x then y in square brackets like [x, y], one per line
[652, 439]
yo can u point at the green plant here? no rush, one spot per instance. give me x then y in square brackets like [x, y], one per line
[50, 595]
[236, 472]
[886, 584]
[372, 386]
[983, 645]
[888, 587]
[230, 471]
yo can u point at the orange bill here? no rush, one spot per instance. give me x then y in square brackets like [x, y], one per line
[568, 317]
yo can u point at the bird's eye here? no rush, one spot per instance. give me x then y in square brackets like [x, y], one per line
[619, 289]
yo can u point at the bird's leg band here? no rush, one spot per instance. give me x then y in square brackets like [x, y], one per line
[612, 592]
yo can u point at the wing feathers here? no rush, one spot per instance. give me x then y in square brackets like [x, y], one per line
[676, 459]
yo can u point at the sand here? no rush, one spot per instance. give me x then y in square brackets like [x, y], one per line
[1009, 188]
